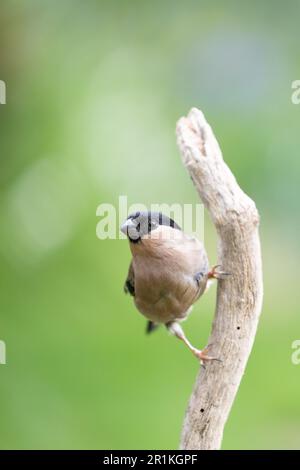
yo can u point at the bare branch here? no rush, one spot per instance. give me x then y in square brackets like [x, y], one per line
[239, 297]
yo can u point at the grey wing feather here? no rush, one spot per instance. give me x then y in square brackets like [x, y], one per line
[129, 283]
[200, 265]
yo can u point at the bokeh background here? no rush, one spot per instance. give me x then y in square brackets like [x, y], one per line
[93, 93]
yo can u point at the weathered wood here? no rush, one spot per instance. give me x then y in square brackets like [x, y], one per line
[239, 297]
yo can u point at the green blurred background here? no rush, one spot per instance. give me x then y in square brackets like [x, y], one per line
[93, 93]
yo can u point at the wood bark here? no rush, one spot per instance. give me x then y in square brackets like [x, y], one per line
[239, 297]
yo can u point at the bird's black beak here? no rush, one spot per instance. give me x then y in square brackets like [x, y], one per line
[128, 224]
[130, 229]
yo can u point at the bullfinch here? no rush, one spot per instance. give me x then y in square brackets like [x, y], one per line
[168, 273]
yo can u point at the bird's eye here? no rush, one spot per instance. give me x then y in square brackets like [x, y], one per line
[152, 225]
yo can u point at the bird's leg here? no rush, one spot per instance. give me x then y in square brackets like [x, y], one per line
[175, 328]
[215, 273]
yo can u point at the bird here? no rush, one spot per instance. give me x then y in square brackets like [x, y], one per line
[169, 271]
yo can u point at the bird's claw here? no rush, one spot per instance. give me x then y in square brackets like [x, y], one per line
[203, 356]
[215, 273]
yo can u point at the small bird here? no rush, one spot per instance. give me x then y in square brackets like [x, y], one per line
[168, 273]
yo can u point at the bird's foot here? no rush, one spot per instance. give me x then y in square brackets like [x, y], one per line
[216, 273]
[204, 357]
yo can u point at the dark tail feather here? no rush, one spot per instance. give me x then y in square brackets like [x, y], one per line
[151, 326]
